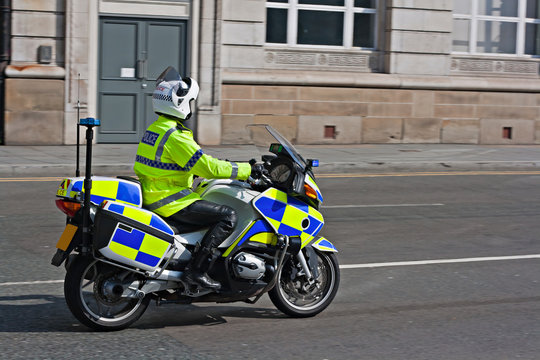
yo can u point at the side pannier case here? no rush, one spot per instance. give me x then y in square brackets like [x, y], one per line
[132, 236]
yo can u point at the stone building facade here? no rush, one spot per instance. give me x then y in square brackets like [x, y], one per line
[320, 71]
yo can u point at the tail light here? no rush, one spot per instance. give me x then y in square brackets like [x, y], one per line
[69, 208]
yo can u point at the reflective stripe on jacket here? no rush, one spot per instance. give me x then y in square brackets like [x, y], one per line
[167, 159]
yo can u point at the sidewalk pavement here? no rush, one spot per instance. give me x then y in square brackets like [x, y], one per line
[117, 159]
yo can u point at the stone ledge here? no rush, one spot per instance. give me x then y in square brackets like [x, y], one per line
[440, 5]
[391, 81]
[177, 9]
[35, 71]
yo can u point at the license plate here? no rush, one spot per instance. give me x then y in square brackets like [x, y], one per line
[66, 237]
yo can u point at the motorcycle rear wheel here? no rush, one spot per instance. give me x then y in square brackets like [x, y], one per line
[294, 296]
[93, 295]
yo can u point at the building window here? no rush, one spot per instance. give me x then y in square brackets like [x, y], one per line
[497, 27]
[338, 23]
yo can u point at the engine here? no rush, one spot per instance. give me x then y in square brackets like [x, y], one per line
[248, 266]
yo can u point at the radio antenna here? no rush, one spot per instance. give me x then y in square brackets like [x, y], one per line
[77, 171]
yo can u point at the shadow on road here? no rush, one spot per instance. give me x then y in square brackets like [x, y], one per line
[36, 313]
[189, 315]
[49, 313]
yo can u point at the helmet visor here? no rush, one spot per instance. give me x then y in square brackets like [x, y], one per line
[170, 74]
[183, 87]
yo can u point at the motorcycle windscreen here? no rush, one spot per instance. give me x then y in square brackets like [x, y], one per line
[288, 215]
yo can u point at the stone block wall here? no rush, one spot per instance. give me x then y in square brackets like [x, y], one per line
[411, 88]
[34, 86]
[305, 114]
[37, 23]
[418, 36]
[34, 111]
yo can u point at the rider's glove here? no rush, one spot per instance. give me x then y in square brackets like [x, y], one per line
[257, 171]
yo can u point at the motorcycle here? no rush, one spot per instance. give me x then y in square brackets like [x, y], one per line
[119, 256]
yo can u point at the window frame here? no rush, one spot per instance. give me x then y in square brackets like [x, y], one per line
[348, 10]
[520, 20]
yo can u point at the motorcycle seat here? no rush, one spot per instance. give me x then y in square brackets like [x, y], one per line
[181, 228]
[129, 178]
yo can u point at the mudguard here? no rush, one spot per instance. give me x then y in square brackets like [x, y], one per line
[322, 244]
[60, 256]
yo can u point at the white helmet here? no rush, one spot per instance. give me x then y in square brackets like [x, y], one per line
[173, 95]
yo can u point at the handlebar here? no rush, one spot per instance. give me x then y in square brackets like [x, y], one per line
[263, 179]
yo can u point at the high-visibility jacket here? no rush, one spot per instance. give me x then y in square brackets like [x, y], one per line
[167, 159]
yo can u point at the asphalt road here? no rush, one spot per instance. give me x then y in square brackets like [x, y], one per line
[392, 304]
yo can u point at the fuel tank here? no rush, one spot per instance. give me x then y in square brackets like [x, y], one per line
[235, 194]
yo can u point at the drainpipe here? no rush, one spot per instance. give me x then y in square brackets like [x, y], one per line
[5, 57]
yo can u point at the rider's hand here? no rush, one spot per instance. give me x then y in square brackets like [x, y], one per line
[257, 171]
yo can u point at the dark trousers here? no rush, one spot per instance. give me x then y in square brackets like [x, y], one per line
[220, 218]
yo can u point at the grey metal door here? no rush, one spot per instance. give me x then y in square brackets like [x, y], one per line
[133, 52]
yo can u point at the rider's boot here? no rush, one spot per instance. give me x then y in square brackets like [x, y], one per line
[195, 273]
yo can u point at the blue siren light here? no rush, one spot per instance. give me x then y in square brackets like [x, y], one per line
[90, 122]
[314, 163]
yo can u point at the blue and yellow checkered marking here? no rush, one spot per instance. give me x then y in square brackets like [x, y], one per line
[138, 246]
[324, 245]
[289, 216]
[143, 216]
[111, 190]
[259, 227]
[170, 166]
[257, 231]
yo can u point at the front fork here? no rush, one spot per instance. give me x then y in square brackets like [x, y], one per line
[305, 268]
[309, 270]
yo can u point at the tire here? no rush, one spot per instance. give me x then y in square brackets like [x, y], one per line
[85, 293]
[291, 294]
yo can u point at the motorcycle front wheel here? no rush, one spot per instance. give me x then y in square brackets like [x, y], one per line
[93, 292]
[294, 295]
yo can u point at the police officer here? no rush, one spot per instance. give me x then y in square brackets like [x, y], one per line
[167, 160]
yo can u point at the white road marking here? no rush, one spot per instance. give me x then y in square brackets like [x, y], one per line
[440, 261]
[355, 266]
[32, 282]
[377, 205]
